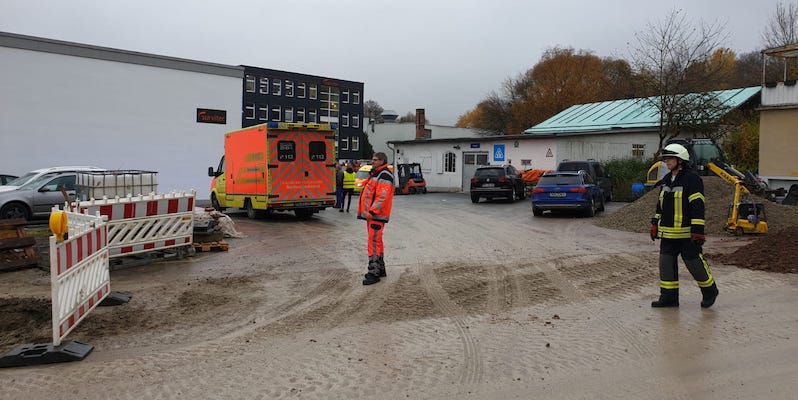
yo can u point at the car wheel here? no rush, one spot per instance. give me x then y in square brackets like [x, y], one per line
[523, 192]
[608, 198]
[601, 205]
[512, 196]
[474, 198]
[537, 212]
[215, 203]
[15, 210]
[591, 209]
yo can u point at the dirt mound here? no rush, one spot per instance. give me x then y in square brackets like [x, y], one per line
[772, 252]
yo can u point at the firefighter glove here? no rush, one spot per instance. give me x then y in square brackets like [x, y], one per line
[698, 238]
[653, 232]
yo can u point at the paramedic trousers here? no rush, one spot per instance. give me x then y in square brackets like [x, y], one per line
[375, 247]
[691, 254]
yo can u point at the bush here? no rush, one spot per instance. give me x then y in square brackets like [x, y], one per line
[624, 173]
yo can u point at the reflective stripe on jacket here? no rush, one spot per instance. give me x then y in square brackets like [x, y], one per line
[349, 180]
[680, 209]
[377, 195]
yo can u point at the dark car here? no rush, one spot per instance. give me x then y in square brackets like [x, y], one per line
[567, 191]
[594, 169]
[6, 178]
[497, 181]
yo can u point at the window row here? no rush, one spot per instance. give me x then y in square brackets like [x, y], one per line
[289, 88]
[353, 142]
[289, 114]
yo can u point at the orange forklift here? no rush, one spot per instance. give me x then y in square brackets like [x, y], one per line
[410, 179]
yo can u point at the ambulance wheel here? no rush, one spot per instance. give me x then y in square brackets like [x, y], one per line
[215, 203]
[252, 213]
[303, 213]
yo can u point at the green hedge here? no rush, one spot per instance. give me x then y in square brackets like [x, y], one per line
[624, 173]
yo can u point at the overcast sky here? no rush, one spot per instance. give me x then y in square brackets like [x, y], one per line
[441, 55]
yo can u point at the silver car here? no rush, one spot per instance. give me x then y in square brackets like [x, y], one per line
[36, 198]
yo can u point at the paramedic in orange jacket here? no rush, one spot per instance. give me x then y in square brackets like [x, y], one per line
[376, 201]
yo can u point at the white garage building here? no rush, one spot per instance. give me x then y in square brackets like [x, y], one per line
[73, 104]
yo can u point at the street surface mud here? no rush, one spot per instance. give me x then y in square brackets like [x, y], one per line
[481, 301]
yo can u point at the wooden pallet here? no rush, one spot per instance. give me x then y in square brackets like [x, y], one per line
[16, 249]
[211, 246]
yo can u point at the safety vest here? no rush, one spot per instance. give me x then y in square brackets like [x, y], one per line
[349, 180]
[377, 195]
[680, 209]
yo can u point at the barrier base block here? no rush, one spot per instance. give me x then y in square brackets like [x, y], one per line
[115, 299]
[45, 353]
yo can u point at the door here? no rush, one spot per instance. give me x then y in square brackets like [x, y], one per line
[49, 194]
[472, 160]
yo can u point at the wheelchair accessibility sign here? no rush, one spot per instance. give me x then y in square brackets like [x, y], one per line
[498, 152]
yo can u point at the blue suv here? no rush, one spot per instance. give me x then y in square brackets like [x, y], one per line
[567, 191]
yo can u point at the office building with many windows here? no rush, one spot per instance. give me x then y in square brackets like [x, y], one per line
[280, 96]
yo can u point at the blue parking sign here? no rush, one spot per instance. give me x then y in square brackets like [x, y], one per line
[498, 152]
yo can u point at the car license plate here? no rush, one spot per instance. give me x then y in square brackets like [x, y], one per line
[487, 185]
[557, 194]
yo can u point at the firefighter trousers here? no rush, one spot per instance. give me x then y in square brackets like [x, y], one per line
[693, 259]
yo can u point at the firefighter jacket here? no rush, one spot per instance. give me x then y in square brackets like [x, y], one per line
[680, 209]
[377, 195]
[349, 180]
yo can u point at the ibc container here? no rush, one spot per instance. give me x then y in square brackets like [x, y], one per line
[118, 183]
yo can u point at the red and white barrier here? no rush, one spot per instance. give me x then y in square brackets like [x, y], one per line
[79, 271]
[145, 223]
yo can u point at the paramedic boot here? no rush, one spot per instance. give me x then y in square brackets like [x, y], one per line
[709, 295]
[381, 269]
[667, 298]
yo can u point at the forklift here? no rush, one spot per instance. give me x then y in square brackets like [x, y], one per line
[410, 179]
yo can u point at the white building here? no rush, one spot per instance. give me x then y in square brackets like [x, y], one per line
[73, 104]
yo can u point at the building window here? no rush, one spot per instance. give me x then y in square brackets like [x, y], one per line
[250, 83]
[312, 116]
[449, 160]
[300, 115]
[276, 87]
[264, 86]
[289, 88]
[355, 143]
[276, 111]
[313, 91]
[355, 121]
[300, 90]
[638, 151]
[345, 96]
[263, 113]
[330, 98]
[345, 143]
[355, 97]
[345, 119]
[289, 114]
[249, 111]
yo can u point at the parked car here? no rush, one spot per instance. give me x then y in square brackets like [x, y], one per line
[4, 179]
[595, 170]
[36, 198]
[497, 181]
[567, 191]
[36, 173]
[361, 176]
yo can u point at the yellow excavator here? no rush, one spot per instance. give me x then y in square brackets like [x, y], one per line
[745, 215]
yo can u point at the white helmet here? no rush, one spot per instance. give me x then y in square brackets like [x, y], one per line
[676, 150]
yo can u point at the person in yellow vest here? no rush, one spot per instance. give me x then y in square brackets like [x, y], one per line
[349, 187]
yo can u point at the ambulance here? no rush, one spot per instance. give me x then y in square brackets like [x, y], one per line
[276, 166]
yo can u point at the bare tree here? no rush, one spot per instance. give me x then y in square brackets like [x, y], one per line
[671, 61]
[782, 30]
[782, 27]
[373, 110]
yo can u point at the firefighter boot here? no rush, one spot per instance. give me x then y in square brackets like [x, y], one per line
[381, 268]
[372, 276]
[667, 298]
[709, 295]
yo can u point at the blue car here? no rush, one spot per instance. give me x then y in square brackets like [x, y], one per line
[567, 191]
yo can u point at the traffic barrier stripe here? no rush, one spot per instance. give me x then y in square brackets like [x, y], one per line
[140, 206]
[88, 305]
[72, 252]
[160, 244]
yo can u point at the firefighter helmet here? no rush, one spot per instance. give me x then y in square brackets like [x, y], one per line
[676, 150]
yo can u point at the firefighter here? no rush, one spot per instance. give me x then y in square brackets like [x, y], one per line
[679, 222]
[375, 204]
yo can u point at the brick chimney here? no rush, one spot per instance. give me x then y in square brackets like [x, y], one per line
[420, 123]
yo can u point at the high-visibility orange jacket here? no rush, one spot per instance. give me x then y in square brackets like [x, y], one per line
[377, 195]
